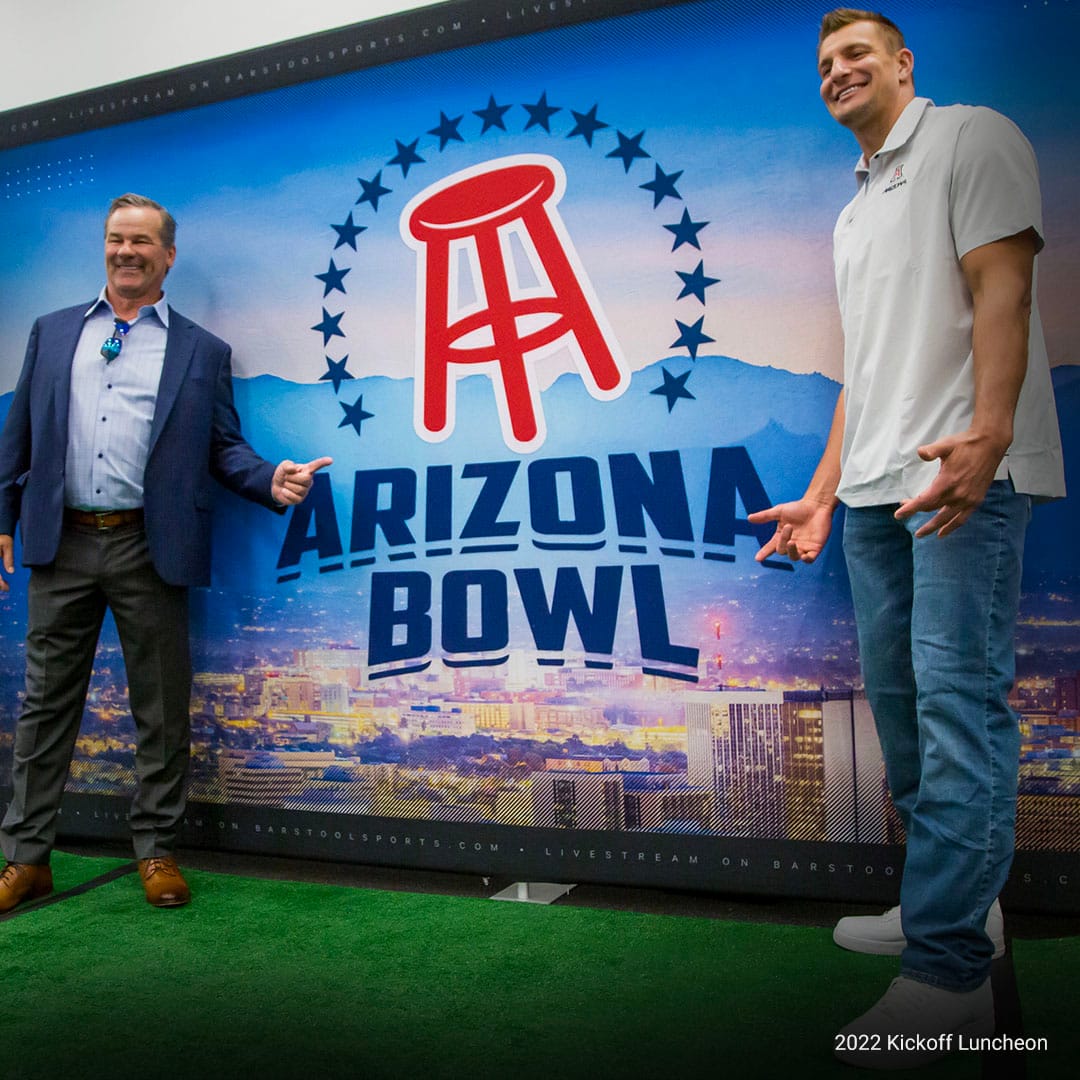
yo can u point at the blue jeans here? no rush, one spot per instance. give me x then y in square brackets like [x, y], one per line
[936, 619]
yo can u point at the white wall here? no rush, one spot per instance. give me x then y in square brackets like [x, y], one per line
[49, 48]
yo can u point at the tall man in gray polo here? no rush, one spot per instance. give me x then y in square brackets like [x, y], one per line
[121, 420]
[943, 433]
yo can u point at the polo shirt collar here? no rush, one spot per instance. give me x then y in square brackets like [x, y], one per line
[902, 130]
[160, 309]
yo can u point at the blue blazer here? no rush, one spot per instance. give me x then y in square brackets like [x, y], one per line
[194, 438]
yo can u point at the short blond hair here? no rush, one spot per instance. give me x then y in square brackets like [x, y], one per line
[838, 18]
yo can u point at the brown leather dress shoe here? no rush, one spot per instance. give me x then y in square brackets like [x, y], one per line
[162, 882]
[22, 881]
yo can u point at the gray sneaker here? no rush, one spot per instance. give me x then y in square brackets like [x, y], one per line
[883, 935]
[914, 1024]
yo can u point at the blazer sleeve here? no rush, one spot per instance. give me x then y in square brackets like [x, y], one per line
[232, 460]
[15, 444]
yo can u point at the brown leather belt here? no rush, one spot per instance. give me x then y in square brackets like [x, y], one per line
[103, 519]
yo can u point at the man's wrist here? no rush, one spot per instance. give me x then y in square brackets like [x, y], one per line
[826, 499]
[997, 435]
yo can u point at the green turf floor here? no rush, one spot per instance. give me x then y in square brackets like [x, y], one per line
[275, 979]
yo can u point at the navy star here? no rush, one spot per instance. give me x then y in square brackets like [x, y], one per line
[662, 185]
[373, 190]
[493, 114]
[690, 337]
[447, 130]
[406, 156]
[329, 326]
[674, 387]
[696, 282]
[335, 372]
[587, 125]
[347, 232]
[332, 279]
[685, 231]
[355, 414]
[541, 113]
[628, 149]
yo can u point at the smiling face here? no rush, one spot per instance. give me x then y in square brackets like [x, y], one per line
[136, 261]
[865, 84]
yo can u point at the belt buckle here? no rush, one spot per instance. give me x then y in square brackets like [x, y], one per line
[99, 520]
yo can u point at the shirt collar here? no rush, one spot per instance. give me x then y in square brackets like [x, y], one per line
[902, 130]
[160, 309]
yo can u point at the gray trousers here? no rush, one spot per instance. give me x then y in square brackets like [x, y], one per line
[67, 601]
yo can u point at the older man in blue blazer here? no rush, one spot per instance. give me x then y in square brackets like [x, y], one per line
[120, 422]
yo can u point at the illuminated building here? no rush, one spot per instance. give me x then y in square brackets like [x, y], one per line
[735, 749]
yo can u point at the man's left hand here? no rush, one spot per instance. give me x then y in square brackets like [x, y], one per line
[292, 482]
[968, 463]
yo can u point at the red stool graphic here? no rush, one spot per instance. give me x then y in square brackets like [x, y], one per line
[474, 218]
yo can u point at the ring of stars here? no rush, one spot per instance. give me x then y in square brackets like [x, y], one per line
[628, 151]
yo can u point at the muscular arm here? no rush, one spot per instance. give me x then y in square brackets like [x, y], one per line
[803, 526]
[999, 276]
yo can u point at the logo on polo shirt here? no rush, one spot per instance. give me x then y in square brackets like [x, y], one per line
[898, 179]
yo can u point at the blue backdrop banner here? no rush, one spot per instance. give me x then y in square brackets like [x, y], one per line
[553, 286]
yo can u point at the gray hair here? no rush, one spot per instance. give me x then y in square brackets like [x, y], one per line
[167, 231]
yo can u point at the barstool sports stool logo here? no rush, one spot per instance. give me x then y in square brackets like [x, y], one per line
[500, 286]
[464, 230]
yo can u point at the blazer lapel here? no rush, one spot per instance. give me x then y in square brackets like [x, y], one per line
[179, 349]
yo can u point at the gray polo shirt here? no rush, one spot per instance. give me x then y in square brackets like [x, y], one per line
[946, 181]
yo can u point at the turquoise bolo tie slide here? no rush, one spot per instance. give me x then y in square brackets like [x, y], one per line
[112, 345]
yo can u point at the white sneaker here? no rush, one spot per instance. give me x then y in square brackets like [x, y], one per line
[914, 1024]
[883, 935]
